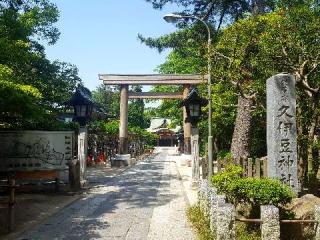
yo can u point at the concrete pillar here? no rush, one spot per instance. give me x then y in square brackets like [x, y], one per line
[203, 185]
[195, 156]
[216, 201]
[204, 195]
[186, 126]
[226, 222]
[123, 130]
[270, 227]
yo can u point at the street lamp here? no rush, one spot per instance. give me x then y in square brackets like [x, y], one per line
[172, 18]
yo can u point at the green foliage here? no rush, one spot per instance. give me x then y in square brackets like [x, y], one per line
[136, 110]
[108, 98]
[200, 223]
[31, 85]
[224, 155]
[251, 190]
[242, 232]
[17, 101]
[223, 180]
[25, 19]
[168, 108]
[112, 127]
[260, 191]
[149, 138]
[16, 94]
[45, 122]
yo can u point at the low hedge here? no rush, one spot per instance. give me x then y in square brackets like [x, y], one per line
[254, 191]
[262, 191]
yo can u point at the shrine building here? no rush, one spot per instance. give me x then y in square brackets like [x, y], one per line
[167, 136]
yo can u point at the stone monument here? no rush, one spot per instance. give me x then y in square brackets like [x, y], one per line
[281, 129]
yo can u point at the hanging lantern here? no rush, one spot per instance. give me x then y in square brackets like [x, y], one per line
[82, 104]
[193, 103]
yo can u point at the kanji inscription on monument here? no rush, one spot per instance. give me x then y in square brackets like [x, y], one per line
[281, 129]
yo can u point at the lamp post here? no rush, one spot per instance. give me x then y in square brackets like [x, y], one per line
[193, 103]
[172, 18]
[83, 106]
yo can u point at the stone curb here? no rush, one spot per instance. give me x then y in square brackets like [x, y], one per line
[185, 194]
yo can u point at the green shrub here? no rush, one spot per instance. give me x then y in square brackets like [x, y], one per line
[112, 127]
[251, 190]
[223, 180]
[262, 191]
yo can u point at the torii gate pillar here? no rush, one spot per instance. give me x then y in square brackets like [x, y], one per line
[123, 129]
[186, 125]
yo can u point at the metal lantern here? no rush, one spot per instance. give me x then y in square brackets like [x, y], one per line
[82, 104]
[193, 104]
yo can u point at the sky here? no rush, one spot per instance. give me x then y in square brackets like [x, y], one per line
[100, 36]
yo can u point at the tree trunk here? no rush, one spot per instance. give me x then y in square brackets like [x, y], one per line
[240, 146]
[313, 186]
[311, 139]
[302, 156]
[318, 156]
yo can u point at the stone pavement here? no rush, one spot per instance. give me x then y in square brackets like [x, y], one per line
[147, 201]
[35, 204]
[169, 220]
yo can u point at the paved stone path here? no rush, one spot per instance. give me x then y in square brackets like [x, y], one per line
[145, 202]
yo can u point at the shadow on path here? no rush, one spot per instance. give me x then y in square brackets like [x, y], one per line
[112, 207]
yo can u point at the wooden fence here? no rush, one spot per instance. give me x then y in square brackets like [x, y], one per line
[253, 167]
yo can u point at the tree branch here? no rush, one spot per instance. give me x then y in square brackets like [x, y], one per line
[242, 93]
[208, 12]
[306, 85]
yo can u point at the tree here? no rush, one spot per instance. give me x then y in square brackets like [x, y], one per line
[108, 98]
[23, 24]
[136, 109]
[283, 41]
[218, 14]
[297, 51]
[17, 101]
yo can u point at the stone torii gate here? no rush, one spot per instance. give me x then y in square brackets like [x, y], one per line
[125, 80]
